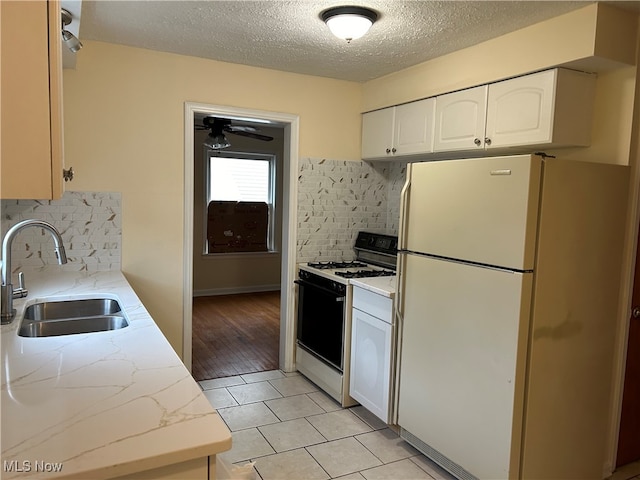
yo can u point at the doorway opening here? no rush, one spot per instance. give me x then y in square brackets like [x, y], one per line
[235, 334]
[236, 274]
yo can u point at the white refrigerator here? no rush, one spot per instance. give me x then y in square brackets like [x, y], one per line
[508, 280]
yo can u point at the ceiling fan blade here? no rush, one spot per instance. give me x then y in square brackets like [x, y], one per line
[240, 128]
[257, 136]
[201, 127]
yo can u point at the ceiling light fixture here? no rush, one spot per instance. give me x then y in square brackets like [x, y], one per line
[70, 40]
[349, 23]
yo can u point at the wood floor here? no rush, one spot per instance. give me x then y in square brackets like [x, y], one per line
[235, 334]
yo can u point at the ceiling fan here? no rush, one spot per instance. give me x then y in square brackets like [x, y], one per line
[218, 126]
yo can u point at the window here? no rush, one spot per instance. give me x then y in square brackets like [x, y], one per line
[240, 202]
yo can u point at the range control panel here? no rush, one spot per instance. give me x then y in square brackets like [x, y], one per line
[377, 242]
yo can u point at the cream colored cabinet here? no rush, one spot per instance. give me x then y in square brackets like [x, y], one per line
[405, 129]
[31, 77]
[198, 469]
[551, 109]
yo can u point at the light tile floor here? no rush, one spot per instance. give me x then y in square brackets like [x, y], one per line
[292, 430]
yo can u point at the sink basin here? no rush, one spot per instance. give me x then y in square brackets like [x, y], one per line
[69, 317]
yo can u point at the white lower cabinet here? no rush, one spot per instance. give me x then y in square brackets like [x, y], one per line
[371, 352]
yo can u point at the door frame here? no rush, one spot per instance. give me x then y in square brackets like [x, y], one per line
[626, 293]
[628, 345]
[291, 125]
[626, 296]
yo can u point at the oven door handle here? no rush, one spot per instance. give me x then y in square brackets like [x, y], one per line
[326, 290]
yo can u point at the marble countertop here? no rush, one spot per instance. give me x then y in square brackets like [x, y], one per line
[104, 404]
[385, 286]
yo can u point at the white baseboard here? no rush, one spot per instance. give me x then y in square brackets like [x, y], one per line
[233, 290]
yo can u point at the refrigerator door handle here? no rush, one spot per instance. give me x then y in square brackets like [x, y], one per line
[404, 209]
[398, 298]
[398, 301]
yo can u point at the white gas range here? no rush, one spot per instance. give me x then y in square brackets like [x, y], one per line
[325, 297]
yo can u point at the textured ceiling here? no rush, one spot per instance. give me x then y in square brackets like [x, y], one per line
[289, 35]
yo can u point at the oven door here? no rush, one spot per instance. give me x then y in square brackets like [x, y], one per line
[320, 327]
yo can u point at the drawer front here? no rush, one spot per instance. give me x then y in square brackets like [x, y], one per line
[372, 303]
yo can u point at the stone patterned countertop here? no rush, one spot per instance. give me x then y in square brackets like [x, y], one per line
[102, 404]
[385, 286]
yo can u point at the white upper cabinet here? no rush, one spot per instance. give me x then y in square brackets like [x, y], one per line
[520, 111]
[413, 129]
[398, 131]
[551, 108]
[460, 120]
[377, 133]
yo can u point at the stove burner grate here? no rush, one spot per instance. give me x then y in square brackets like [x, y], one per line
[366, 273]
[333, 265]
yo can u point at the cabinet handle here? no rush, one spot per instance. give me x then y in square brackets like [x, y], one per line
[487, 140]
[635, 313]
[388, 151]
[477, 142]
[393, 150]
[67, 174]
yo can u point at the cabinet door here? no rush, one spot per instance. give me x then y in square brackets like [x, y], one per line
[413, 129]
[31, 81]
[460, 120]
[369, 383]
[197, 469]
[520, 110]
[377, 133]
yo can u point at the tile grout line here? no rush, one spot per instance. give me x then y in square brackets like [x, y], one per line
[319, 464]
[323, 411]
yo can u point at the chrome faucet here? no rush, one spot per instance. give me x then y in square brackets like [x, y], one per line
[6, 299]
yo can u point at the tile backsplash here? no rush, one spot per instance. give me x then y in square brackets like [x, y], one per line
[336, 199]
[90, 224]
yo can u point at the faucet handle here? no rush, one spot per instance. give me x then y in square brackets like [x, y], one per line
[20, 292]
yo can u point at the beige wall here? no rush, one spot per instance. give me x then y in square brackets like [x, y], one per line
[124, 122]
[124, 115]
[580, 38]
[611, 130]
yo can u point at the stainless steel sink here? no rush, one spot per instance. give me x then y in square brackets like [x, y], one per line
[69, 317]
